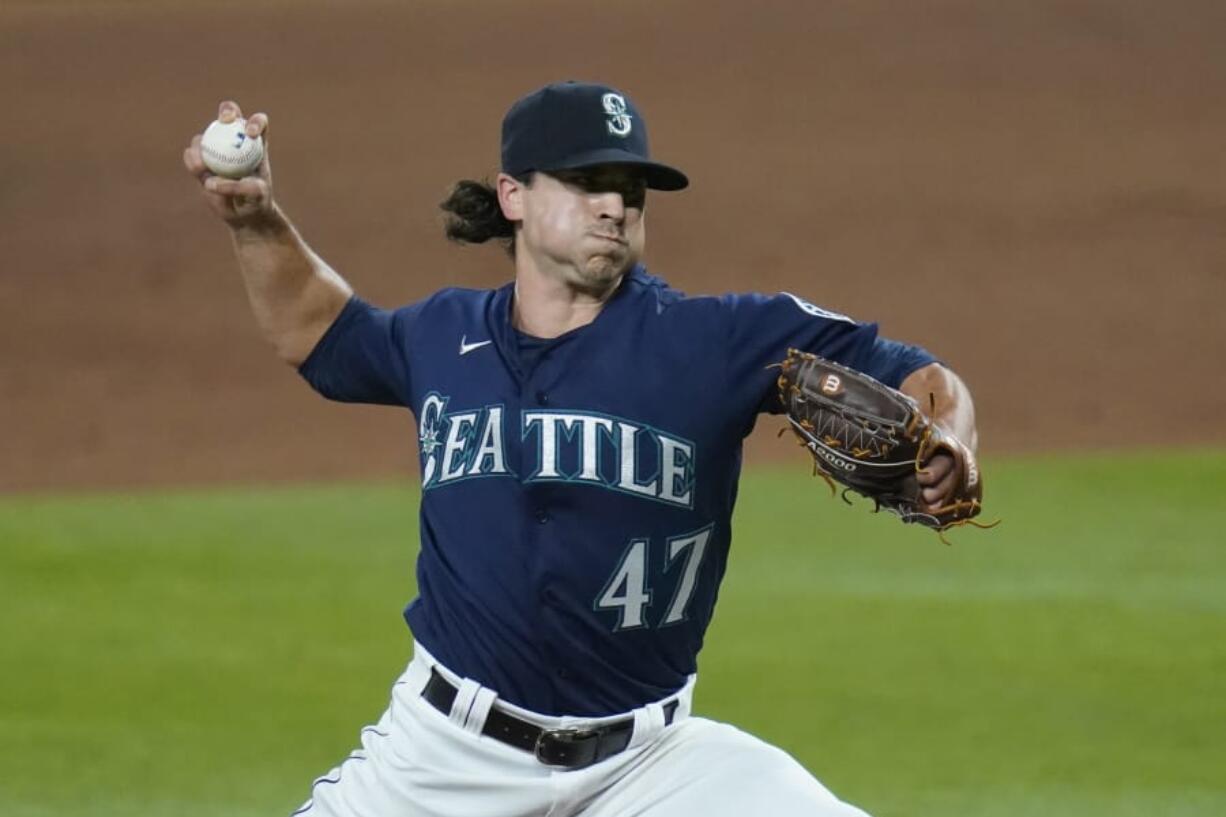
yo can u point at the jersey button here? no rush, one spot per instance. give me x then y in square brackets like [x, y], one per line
[563, 673]
[542, 398]
[542, 515]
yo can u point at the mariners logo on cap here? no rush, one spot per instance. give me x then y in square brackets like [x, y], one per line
[619, 119]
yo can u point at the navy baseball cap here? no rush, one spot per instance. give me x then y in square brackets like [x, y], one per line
[568, 125]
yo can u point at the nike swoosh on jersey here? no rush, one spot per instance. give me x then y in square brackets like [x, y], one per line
[465, 348]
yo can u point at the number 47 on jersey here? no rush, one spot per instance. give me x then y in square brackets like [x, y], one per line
[628, 591]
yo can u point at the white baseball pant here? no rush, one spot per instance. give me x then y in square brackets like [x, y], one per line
[416, 761]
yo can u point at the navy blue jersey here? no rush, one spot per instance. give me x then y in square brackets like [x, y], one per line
[577, 493]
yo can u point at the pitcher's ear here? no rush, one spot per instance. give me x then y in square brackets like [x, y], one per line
[511, 196]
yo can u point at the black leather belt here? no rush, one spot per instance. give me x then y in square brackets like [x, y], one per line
[568, 748]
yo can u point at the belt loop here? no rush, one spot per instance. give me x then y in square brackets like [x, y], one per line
[685, 700]
[648, 722]
[480, 709]
[463, 702]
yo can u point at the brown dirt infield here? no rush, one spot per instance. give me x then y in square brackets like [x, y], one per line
[1036, 191]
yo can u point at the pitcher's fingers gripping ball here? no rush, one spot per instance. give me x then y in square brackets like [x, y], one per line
[242, 200]
[874, 440]
[228, 150]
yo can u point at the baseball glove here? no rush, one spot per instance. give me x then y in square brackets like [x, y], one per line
[872, 440]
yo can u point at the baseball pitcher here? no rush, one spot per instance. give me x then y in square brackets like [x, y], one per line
[577, 489]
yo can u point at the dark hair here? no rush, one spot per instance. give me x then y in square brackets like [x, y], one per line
[474, 217]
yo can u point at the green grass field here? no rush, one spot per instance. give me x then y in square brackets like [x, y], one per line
[209, 653]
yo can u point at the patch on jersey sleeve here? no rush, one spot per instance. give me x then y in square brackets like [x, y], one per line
[816, 311]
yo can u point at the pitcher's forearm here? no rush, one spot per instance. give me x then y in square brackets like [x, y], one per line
[294, 294]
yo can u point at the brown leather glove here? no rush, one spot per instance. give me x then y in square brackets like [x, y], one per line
[873, 440]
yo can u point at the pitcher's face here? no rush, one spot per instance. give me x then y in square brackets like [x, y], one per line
[586, 223]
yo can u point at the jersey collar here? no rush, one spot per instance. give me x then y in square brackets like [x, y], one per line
[499, 314]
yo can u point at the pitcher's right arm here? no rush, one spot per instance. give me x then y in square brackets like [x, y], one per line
[293, 292]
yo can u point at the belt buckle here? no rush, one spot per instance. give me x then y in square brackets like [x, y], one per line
[564, 747]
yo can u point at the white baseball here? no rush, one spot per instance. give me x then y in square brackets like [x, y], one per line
[228, 151]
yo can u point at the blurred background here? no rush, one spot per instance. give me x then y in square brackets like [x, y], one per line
[1033, 189]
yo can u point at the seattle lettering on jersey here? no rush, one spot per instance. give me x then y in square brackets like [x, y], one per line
[558, 446]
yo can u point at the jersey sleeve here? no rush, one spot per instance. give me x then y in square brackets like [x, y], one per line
[763, 328]
[364, 355]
